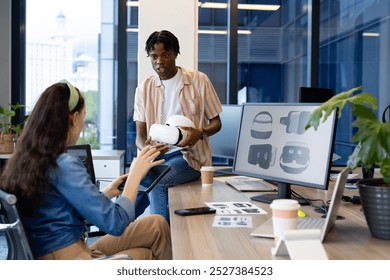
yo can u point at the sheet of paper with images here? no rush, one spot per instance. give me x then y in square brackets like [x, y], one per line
[351, 181]
[232, 221]
[235, 208]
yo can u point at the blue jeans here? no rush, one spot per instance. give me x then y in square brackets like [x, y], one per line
[180, 173]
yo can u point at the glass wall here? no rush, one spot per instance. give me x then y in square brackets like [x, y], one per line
[273, 55]
[354, 51]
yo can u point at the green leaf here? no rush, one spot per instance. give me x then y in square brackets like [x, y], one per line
[372, 136]
[336, 102]
[385, 169]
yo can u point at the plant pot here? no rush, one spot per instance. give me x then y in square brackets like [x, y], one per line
[375, 199]
[7, 143]
[368, 173]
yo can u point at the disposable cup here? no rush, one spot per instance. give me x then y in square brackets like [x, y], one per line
[207, 176]
[284, 216]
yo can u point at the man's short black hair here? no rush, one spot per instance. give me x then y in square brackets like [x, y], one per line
[169, 41]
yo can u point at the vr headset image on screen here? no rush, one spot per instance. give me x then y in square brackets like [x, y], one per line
[274, 145]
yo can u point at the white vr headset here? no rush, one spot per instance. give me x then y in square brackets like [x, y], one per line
[171, 133]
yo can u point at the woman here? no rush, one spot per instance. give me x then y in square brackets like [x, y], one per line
[56, 194]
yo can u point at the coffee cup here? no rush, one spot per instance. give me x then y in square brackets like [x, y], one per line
[207, 176]
[284, 216]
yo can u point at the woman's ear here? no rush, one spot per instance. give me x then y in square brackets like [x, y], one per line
[73, 118]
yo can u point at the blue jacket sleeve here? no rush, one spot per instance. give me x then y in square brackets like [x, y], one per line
[74, 183]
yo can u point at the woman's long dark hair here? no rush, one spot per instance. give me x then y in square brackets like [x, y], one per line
[43, 139]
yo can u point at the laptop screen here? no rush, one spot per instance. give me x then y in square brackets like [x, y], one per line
[84, 153]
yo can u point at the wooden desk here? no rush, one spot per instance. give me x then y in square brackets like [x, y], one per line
[194, 237]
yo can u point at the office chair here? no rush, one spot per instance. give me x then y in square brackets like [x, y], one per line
[11, 225]
[15, 235]
[386, 111]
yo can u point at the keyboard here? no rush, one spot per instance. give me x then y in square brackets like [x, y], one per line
[250, 185]
[311, 223]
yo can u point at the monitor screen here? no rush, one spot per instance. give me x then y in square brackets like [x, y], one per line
[273, 145]
[224, 142]
[315, 95]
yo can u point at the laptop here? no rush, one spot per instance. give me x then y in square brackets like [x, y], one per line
[325, 225]
[83, 151]
[248, 184]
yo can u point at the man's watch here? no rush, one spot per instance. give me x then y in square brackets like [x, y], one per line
[204, 134]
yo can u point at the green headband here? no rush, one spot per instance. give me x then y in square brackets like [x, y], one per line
[74, 95]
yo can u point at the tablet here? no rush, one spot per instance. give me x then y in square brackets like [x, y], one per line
[161, 169]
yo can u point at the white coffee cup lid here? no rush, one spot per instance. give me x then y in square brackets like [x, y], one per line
[207, 168]
[285, 204]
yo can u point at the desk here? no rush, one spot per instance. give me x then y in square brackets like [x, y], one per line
[108, 165]
[193, 237]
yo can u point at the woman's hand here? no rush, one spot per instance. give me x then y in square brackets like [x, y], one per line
[138, 169]
[144, 161]
[112, 190]
[162, 148]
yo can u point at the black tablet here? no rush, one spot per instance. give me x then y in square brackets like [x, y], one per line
[162, 170]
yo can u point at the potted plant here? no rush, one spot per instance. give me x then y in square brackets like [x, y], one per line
[8, 131]
[373, 149]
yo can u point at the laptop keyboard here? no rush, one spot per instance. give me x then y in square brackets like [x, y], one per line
[255, 184]
[310, 223]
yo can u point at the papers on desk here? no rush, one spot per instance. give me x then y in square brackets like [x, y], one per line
[235, 208]
[232, 221]
[348, 185]
[226, 209]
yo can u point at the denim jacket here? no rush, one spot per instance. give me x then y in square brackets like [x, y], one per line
[59, 221]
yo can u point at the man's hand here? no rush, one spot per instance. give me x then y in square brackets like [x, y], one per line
[193, 136]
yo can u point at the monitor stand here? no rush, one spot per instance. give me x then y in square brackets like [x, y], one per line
[284, 192]
[223, 172]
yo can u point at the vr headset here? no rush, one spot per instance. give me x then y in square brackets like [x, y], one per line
[171, 132]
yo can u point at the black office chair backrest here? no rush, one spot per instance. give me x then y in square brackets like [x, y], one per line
[386, 111]
[11, 225]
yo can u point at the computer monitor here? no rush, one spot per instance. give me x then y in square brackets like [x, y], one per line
[314, 95]
[224, 142]
[273, 145]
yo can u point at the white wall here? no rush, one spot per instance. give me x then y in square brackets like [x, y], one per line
[5, 52]
[177, 16]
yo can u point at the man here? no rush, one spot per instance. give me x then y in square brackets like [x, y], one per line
[174, 91]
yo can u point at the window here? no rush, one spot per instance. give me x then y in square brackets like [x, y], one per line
[354, 50]
[273, 55]
[65, 44]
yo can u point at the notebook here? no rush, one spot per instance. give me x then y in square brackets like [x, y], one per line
[248, 184]
[325, 225]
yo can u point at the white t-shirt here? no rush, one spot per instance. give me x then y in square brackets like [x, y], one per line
[172, 88]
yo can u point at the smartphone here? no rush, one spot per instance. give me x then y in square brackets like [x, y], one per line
[195, 211]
